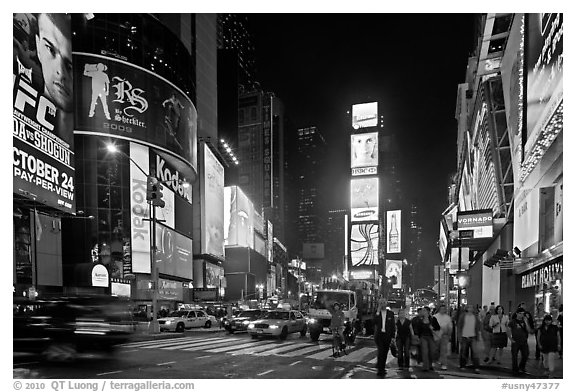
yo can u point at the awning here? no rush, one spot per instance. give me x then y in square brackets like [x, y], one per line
[542, 258]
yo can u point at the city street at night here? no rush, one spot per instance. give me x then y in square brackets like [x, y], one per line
[219, 355]
[277, 195]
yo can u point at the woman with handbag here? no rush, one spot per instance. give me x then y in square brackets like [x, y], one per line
[428, 325]
[498, 324]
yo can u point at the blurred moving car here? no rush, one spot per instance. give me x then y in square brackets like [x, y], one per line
[62, 328]
[278, 323]
[241, 321]
[180, 320]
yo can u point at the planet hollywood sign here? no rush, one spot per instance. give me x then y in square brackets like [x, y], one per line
[545, 274]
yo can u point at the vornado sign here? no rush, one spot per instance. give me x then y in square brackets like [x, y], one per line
[545, 274]
[479, 221]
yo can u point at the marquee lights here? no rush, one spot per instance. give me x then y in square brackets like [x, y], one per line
[545, 140]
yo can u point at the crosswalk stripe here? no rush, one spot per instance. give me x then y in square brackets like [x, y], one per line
[251, 350]
[322, 354]
[232, 348]
[356, 355]
[306, 350]
[373, 360]
[170, 343]
[148, 342]
[288, 347]
[211, 344]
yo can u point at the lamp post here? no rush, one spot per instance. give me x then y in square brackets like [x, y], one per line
[154, 326]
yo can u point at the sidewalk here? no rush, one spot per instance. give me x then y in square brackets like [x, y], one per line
[534, 368]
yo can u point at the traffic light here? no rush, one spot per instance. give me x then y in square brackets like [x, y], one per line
[154, 192]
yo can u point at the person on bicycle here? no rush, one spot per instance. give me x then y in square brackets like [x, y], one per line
[337, 322]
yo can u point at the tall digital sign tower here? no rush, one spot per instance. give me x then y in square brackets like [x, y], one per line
[365, 236]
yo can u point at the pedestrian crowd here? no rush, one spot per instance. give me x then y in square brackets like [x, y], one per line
[477, 332]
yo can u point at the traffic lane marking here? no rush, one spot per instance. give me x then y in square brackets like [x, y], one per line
[264, 373]
[105, 374]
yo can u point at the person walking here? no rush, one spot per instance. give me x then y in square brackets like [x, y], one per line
[559, 322]
[416, 321]
[538, 322]
[445, 322]
[518, 331]
[498, 324]
[548, 339]
[487, 332]
[403, 339]
[469, 331]
[384, 330]
[428, 325]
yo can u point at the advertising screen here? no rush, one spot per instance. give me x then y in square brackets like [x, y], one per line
[213, 212]
[479, 221]
[544, 56]
[364, 150]
[364, 244]
[394, 268]
[43, 117]
[393, 231]
[270, 240]
[213, 274]
[174, 253]
[238, 216]
[365, 115]
[364, 199]
[123, 100]
[139, 228]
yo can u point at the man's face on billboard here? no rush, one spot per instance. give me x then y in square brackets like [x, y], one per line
[55, 55]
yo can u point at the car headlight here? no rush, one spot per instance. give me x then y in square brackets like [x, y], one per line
[251, 325]
[311, 321]
[246, 322]
[274, 327]
[226, 322]
[168, 322]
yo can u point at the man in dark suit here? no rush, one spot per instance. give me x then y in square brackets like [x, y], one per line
[384, 332]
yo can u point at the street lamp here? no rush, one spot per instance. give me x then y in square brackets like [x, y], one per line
[154, 326]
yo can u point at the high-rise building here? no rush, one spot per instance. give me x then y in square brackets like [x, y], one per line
[234, 36]
[309, 217]
[261, 123]
[414, 253]
[308, 166]
[335, 243]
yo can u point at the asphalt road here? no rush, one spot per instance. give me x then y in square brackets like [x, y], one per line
[223, 356]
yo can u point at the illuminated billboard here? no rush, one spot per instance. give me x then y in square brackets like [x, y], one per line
[364, 199]
[43, 116]
[173, 253]
[139, 228]
[544, 56]
[364, 153]
[393, 231]
[238, 217]
[394, 268]
[364, 244]
[365, 115]
[212, 220]
[123, 100]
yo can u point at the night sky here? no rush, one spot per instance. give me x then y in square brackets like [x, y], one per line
[320, 64]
